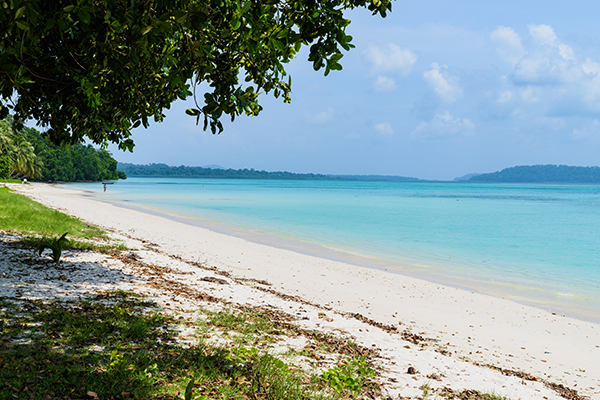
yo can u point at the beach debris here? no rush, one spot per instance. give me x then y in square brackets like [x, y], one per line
[435, 377]
[252, 280]
[212, 279]
[324, 316]
[411, 370]
[563, 391]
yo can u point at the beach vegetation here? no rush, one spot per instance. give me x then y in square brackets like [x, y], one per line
[73, 163]
[96, 70]
[120, 345]
[26, 153]
[349, 376]
[36, 222]
[5, 166]
[56, 245]
[19, 214]
[22, 158]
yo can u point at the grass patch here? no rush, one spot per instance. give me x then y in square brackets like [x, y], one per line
[13, 181]
[119, 345]
[19, 214]
[32, 241]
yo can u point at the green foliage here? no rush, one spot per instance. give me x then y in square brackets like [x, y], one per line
[542, 174]
[73, 163]
[5, 166]
[14, 144]
[102, 247]
[98, 68]
[118, 345]
[349, 376]
[189, 389]
[163, 170]
[56, 245]
[21, 215]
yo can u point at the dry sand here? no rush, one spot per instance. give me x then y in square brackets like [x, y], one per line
[461, 333]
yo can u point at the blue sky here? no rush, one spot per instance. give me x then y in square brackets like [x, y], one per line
[436, 90]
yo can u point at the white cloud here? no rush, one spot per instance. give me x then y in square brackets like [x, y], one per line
[384, 128]
[549, 61]
[445, 86]
[443, 125]
[590, 67]
[390, 59]
[543, 34]
[384, 84]
[320, 118]
[508, 44]
[548, 76]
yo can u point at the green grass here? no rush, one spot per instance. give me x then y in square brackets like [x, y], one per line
[120, 345]
[19, 214]
[33, 242]
[13, 181]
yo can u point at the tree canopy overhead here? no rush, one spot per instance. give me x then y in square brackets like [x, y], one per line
[99, 68]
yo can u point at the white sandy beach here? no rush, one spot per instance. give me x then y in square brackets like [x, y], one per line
[468, 331]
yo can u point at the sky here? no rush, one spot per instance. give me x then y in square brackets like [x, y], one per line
[436, 90]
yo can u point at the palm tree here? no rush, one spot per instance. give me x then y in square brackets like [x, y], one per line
[25, 162]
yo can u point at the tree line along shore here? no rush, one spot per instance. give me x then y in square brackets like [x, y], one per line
[28, 154]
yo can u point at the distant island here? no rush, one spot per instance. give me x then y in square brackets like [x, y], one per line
[522, 174]
[166, 171]
[541, 174]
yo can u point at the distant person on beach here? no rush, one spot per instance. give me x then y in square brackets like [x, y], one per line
[105, 187]
[24, 181]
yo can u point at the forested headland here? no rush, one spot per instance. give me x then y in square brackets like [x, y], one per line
[542, 174]
[74, 163]
[166, 171]
[26, 153]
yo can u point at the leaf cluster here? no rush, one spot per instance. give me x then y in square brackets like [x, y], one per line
[350, 376]
[5, 166]
[56, 245]
[24, 162]
[98, 68]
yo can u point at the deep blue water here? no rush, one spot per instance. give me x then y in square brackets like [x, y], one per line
[532, 242]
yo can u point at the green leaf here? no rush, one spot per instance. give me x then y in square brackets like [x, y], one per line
[146, 30]
[246, 6]
[22, 25]
[84, 16]
[68, 8]
[192, 111]
[188, 389]
[236, 24]
[20, 12]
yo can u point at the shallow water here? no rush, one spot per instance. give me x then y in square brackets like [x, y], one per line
[535, 243]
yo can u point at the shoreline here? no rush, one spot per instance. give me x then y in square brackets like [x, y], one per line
[478, 327]
[524, 292]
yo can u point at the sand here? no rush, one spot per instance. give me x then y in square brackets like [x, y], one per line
[464, 333]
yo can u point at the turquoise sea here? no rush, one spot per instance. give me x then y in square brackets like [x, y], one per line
[535, 243]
